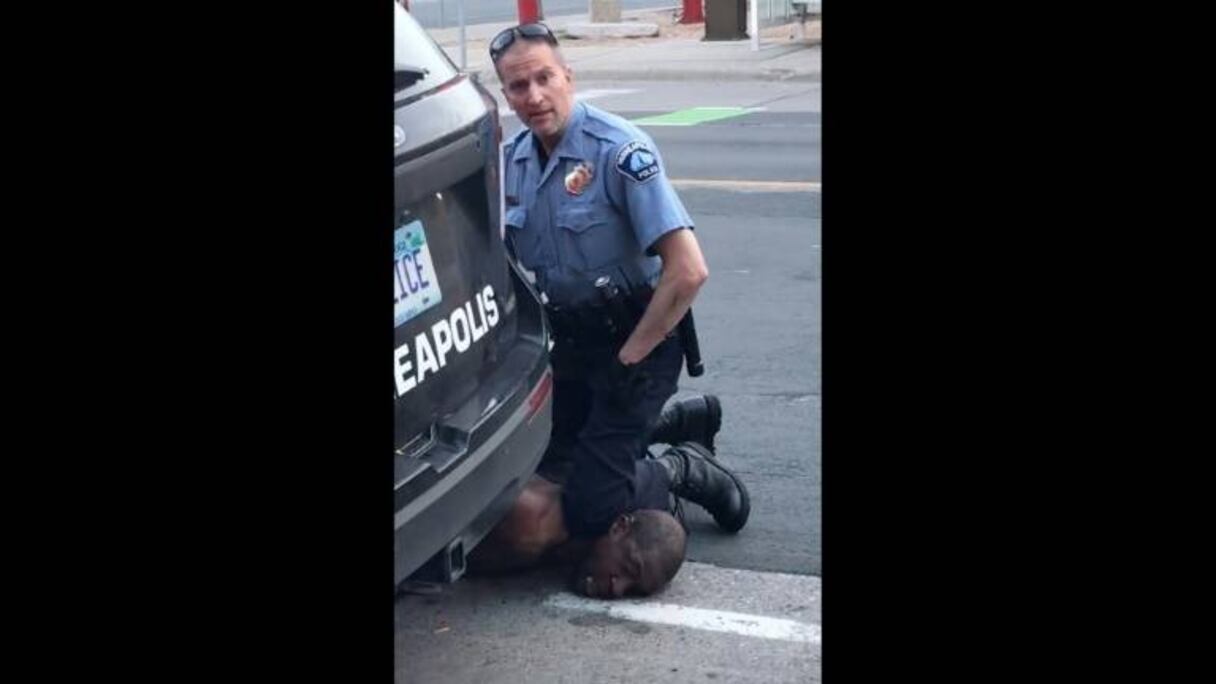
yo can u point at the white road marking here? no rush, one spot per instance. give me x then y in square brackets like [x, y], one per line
[696, 618]
[591, 93]
[504, 111]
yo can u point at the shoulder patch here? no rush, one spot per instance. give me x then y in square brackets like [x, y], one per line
[637, 162]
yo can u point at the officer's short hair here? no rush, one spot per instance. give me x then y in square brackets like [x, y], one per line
[529, 33]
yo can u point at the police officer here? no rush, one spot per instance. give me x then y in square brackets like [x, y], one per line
[587, 205]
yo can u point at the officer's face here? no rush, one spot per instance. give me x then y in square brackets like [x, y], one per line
[539, 89]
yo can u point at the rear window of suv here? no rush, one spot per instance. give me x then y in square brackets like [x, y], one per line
[419, 63]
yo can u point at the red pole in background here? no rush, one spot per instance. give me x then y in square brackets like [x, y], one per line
[530, 11]
[692, 13]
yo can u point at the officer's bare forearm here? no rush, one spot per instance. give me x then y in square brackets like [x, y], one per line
[668, 305]
[684, 272]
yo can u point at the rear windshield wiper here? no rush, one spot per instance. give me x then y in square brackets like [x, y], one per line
[405, 75]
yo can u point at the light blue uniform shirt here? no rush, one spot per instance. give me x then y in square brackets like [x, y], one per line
[570, 227]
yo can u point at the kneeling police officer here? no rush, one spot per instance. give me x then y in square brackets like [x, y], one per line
[591, 213]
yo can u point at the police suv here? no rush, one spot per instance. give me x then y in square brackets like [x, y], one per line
[471, 366]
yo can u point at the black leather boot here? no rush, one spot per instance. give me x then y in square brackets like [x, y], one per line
[696, 419]
[697, 476]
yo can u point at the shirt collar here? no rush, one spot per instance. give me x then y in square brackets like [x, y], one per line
[571, 145]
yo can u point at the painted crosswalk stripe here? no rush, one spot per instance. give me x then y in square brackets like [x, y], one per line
[743, 624]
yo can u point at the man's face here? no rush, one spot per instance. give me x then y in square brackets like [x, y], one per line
[538, 88]
[614, 567]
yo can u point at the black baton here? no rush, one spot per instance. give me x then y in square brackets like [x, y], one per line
[692, 348]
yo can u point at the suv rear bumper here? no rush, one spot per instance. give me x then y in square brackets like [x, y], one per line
[496, 471]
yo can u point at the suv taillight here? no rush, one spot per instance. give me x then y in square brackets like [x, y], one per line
[539, 394]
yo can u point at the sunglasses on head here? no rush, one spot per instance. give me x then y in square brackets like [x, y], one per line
[506, 38]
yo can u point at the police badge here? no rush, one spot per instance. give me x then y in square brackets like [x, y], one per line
[578, 178]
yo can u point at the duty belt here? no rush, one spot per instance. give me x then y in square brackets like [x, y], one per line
[598, 325]
[582, 326]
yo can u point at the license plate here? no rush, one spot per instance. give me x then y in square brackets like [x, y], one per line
[415, 282]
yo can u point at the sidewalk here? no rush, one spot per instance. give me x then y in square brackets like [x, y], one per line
[678, 53]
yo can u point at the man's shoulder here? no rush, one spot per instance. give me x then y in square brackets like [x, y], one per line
[519, 135]
[610, 128]
[626, 146]
[510, 145]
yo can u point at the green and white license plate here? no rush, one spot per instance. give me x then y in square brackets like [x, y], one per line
[415, 282]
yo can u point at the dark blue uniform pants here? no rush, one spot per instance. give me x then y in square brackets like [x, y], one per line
[598, 444]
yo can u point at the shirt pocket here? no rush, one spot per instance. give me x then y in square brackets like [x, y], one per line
[591, 237]
[529, 248]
